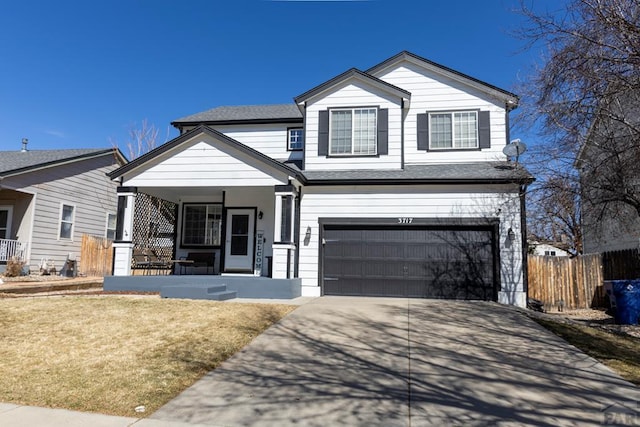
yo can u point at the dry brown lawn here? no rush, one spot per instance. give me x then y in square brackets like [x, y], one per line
[619, 352]
[111, 354]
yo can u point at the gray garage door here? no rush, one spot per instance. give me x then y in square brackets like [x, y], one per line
[426, 262]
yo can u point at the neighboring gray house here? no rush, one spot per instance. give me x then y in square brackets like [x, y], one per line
[609, 168]
[385, 182]
[49, 198]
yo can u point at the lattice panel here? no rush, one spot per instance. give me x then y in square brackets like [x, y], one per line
[154, 225]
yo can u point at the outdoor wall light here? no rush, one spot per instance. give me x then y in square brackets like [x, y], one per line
[260, 215]
[511, 234]
[307, 236]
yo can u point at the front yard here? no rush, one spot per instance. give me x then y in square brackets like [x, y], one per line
[111, 354]
[613, 345]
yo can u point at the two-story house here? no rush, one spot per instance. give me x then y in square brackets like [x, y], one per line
[385, 182]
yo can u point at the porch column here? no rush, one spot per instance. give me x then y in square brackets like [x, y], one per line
[284, 246]
[123, 244]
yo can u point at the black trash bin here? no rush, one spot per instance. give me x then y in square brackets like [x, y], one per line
[627, 295]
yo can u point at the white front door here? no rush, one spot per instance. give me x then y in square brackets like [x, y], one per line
[240, 239]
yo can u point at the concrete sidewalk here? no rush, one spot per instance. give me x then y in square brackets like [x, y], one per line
[400, 362]
[31, 416]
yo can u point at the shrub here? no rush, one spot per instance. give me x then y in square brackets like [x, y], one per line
[14, 267]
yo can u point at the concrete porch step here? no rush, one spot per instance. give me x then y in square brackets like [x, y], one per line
[209, 292]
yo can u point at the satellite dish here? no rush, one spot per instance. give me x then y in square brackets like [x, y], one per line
[514, 149]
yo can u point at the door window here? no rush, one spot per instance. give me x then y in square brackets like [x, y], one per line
[239, 235]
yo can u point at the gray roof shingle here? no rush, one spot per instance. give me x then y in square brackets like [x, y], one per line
[467, 172]
[244, 113]
[18, 161]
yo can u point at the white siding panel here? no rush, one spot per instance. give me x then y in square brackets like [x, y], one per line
[354, 95]
[203, 164]
[269, 139]
[431, 92]
[417, 202]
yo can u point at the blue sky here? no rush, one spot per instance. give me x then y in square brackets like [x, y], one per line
[76, 74]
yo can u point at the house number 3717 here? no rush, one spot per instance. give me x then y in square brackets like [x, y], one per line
[405, 220]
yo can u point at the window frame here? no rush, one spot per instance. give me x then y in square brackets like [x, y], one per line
[183, 225]
[452, 113]
[301, 129]
[114, 229]
[353, 129]
[72, 222]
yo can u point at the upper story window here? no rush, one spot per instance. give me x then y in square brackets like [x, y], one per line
[353, 131]
[453, 130]
[295, 139]
[201, 224]
[67, 217]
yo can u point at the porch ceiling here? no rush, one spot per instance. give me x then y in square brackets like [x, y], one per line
[175, 194]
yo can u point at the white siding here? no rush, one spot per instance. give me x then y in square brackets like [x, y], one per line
[431, 92]
[417, 202]
[205, 163]
[354, 95]
[269, 139]
[83, 184]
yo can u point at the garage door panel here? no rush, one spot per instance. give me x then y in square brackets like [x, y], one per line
[409, 261]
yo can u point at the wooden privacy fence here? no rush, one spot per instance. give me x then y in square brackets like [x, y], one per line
[623, 264]
[567, 283]
[96, 256]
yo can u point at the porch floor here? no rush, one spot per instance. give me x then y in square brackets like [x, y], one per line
[202, 287]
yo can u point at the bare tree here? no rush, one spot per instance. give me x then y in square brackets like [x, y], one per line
[555, 213]
[142, 139]
[579, 99]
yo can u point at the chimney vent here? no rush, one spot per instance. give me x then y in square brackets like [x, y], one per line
[25, 141]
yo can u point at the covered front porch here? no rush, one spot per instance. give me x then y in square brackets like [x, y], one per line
[206, 210]
[16, 212]
[247, 231]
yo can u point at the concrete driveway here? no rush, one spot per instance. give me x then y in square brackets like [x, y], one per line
[406, 362]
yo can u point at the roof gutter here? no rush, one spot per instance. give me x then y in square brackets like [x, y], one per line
[418, 181]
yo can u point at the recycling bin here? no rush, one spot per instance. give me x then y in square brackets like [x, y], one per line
[627, 297]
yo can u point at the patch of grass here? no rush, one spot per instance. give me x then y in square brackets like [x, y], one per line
[111, 354]
[619, 352]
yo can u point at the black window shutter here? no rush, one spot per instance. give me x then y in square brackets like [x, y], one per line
[484, 129]
[323, 133]
[383, 131]
[423, 131]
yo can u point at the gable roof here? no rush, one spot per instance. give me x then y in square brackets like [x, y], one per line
[350, 74]
[510, 98]
[202, 129]
[18, 162]
[275, 113]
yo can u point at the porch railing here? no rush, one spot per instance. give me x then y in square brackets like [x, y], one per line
[12, 248]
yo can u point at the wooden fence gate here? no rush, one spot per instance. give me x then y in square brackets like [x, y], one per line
[96, 256]
[567, 283]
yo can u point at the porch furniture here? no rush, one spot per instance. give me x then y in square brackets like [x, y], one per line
[160, 263]
[139, 261]
[198, 259]
[148, 260]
